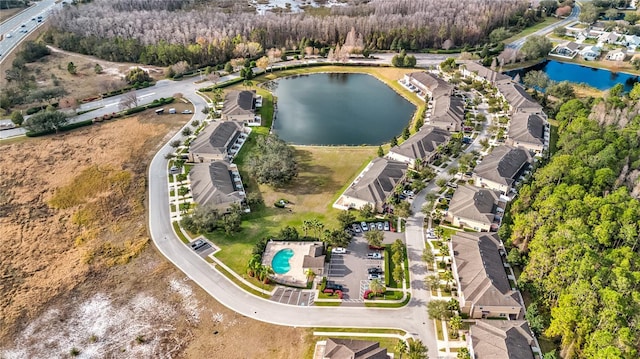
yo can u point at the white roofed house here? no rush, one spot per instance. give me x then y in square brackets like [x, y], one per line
[484, 289]
[616, 55]
[608, 37]
[373, 185]
[591, 53]
[632, 42]
[474, 207]
[422, 145]
[500, 169]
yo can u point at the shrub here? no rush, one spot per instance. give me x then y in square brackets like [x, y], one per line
[367, 294]
[328, 291]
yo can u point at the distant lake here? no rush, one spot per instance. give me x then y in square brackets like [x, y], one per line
[338, 109]
[598, 78]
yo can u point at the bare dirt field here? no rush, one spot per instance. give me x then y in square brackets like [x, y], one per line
[80, 276]
[7, 13]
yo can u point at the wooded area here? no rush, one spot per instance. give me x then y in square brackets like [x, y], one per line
[163, 33]
[577, 225]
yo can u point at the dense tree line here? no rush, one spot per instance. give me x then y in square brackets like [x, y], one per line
[163, 33]
[577, 224]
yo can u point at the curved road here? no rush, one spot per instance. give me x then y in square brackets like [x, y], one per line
[411, 318]
[575, 12]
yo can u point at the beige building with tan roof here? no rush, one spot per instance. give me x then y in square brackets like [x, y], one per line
[422, 145]
[473, 207]
[216, 184]
[500, 169]
[501, 339]
[484, 290]
[530, 131]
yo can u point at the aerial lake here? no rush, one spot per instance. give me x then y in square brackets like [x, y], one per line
[338, 109]
[598, 78]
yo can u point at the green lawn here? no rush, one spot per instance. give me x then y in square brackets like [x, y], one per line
[244, 286]
[176, 227]
[327, 304]
[360, 330]
[389, 305]
[547, 21]
[439, 330]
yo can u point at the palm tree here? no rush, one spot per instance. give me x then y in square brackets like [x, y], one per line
[455, 324]
[306, 226]
[400, 348]
[417, 350]
[254, 265]
[432, 281]
[310, 274]
[377, 287]
[263, 273]
[447, 276]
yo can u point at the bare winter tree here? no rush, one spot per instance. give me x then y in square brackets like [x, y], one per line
[128, 100]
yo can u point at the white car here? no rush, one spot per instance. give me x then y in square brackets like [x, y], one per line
[374, 276]
[364, 226]
[374, 256]
[339, 250]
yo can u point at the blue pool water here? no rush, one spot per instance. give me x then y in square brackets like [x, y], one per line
[280, 262]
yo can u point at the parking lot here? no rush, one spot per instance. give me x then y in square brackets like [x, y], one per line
[350, 269]
[293, 296]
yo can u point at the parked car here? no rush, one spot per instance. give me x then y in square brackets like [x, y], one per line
[374, 276]
[380, 226]
[374, 270]
[333, 285]
[364, 226]
[386, 226]
[186, 112]
[356, 227]
[198, 244]
[374, 256]
[339, 250]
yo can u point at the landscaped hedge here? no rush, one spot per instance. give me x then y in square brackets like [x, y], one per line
[323, 284]
[156, 103]
[136, 86]
[36, 109]
[387, 265]
[222, 85]
[61, 129]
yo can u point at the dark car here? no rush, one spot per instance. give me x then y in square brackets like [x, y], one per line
[198, 244]
[374, 270]
[334, 286]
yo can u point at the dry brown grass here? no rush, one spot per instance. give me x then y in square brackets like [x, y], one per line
[7, 13]
[49, 262]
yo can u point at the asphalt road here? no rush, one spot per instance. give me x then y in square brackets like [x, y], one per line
[13, 25]
[575, 12]
[411, 318]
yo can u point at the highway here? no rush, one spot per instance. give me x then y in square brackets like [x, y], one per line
[575, 12]
[16, 28]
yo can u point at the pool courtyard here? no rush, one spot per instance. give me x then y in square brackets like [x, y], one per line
[287, 259]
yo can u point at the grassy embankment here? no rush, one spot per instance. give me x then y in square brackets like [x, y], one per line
[324, 172]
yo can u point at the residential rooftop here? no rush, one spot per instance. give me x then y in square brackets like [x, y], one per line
[503, 165]
[527, 128]
[501, 339]
[474, 203]
[213, 184]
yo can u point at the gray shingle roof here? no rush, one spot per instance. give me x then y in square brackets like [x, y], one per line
[423, 143]
[238, 103]
[486, 73]
[503, 165]
[437, 86]
[378, 181]
[216, 138]
[526, 128]
[474, 203]
[448, 113]
[501, 339]
[211, 183]
[353, 349]
[480, 270]
[518, 98]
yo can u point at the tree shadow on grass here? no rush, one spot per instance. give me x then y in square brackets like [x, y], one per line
[312, 178]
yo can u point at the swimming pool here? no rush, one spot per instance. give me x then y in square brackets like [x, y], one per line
[280, 262]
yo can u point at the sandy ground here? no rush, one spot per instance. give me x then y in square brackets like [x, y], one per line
[79, 275]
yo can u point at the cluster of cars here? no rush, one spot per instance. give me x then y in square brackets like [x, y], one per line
[375, 273]
[371, 226]
[431, 234]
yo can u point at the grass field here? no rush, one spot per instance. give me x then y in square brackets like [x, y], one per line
[530, 30]
[323, 172]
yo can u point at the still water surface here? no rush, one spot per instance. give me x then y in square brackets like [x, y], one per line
[338, 109]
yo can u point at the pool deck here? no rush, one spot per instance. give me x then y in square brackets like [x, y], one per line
[296, 275]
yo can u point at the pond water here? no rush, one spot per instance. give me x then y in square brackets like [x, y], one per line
[338, 109]
[598, 78]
